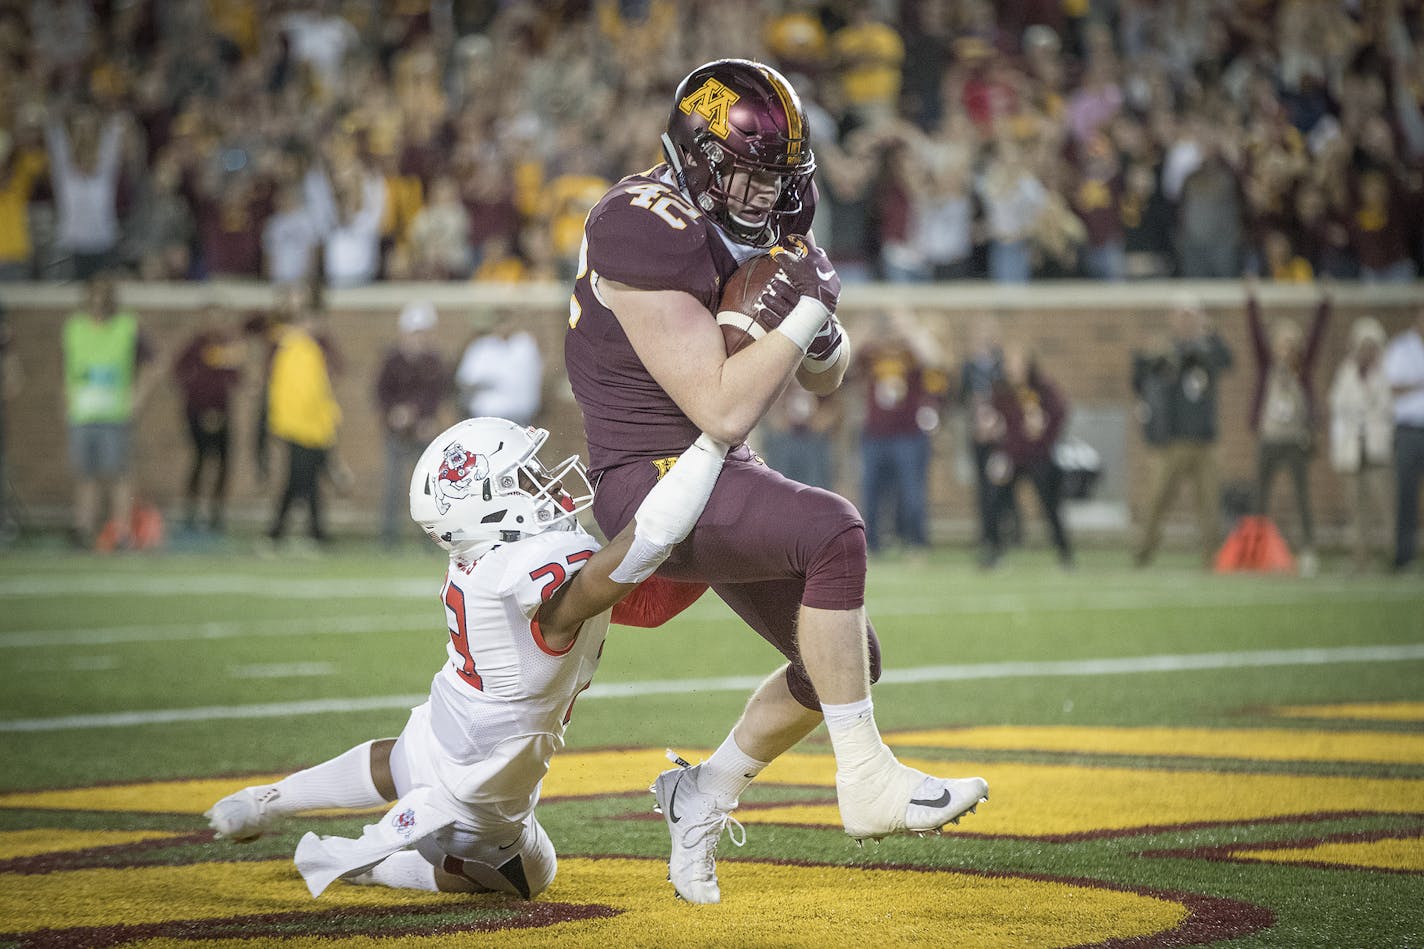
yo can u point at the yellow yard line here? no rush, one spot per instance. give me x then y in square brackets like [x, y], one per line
[1261, 744]
[1389, 854]
[36, 841]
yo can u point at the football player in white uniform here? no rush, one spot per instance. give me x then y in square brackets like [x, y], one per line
[528, 598]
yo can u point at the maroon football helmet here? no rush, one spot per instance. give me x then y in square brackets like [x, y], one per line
[737, 115]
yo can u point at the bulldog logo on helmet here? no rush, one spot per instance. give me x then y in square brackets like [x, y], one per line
[459, 471]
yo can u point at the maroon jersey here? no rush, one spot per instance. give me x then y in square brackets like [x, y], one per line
[646, 234]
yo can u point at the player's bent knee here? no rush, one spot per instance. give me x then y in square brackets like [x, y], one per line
[835, 576]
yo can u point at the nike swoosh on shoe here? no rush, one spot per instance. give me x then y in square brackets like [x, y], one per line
[940, 801]
[672, 801]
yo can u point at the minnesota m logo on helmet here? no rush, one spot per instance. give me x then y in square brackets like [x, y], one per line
[713, 101]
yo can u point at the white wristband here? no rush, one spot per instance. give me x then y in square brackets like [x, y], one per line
[804, 322]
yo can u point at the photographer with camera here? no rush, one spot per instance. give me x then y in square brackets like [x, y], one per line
[1176, 387]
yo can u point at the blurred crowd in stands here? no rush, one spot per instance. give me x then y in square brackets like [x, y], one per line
[457, 139]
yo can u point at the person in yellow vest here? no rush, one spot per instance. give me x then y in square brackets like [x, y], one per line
[106, 384]
[301, 413]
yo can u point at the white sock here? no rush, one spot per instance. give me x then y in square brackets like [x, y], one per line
[727, 773]
[854, 735]
[344, 781]
[405, 870]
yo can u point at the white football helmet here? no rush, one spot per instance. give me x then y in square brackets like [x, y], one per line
[480, 484]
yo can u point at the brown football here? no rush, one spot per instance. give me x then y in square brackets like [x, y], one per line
[736, 313]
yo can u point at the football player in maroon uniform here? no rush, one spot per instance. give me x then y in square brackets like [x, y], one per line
[649, 368]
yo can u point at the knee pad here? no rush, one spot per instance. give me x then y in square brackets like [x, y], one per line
[799, 683]
[835, 575]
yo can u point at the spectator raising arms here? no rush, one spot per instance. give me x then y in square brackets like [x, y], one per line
[1283, 410]
[84, 162]
[1305, 125]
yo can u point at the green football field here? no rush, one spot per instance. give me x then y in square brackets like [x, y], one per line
[1174, 759]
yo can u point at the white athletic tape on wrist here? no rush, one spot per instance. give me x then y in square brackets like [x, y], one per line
[671, 509]
[804, 322]
[641, 562]
[741, 321]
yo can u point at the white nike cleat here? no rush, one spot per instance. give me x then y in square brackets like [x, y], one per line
[896, 799]
[243, 815]
[695, 822]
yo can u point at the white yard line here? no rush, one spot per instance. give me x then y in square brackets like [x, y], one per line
[1090, 600]
[227, 629]
[50, 585]
[708, 609]
[281, 670]
[624, 690]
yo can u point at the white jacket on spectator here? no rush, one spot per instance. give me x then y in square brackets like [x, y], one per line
[502, 378]
[1361, 409]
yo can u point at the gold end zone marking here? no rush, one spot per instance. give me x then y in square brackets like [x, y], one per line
[35, 841]
[1390, 853]
[766, 904]
[1038, 800]
[133, 895]
[1027, 799]
[155, 797]
[1359, 711]
[1262, 744]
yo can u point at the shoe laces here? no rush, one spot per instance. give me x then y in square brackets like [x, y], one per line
[713, 829]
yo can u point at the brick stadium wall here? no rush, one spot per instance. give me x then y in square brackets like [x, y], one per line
[1083, 333]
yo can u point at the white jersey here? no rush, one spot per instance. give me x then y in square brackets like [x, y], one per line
[499, 707]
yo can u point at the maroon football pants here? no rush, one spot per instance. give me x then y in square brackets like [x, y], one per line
[765, 544]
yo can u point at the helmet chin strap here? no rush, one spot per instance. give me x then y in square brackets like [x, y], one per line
[675, 162]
